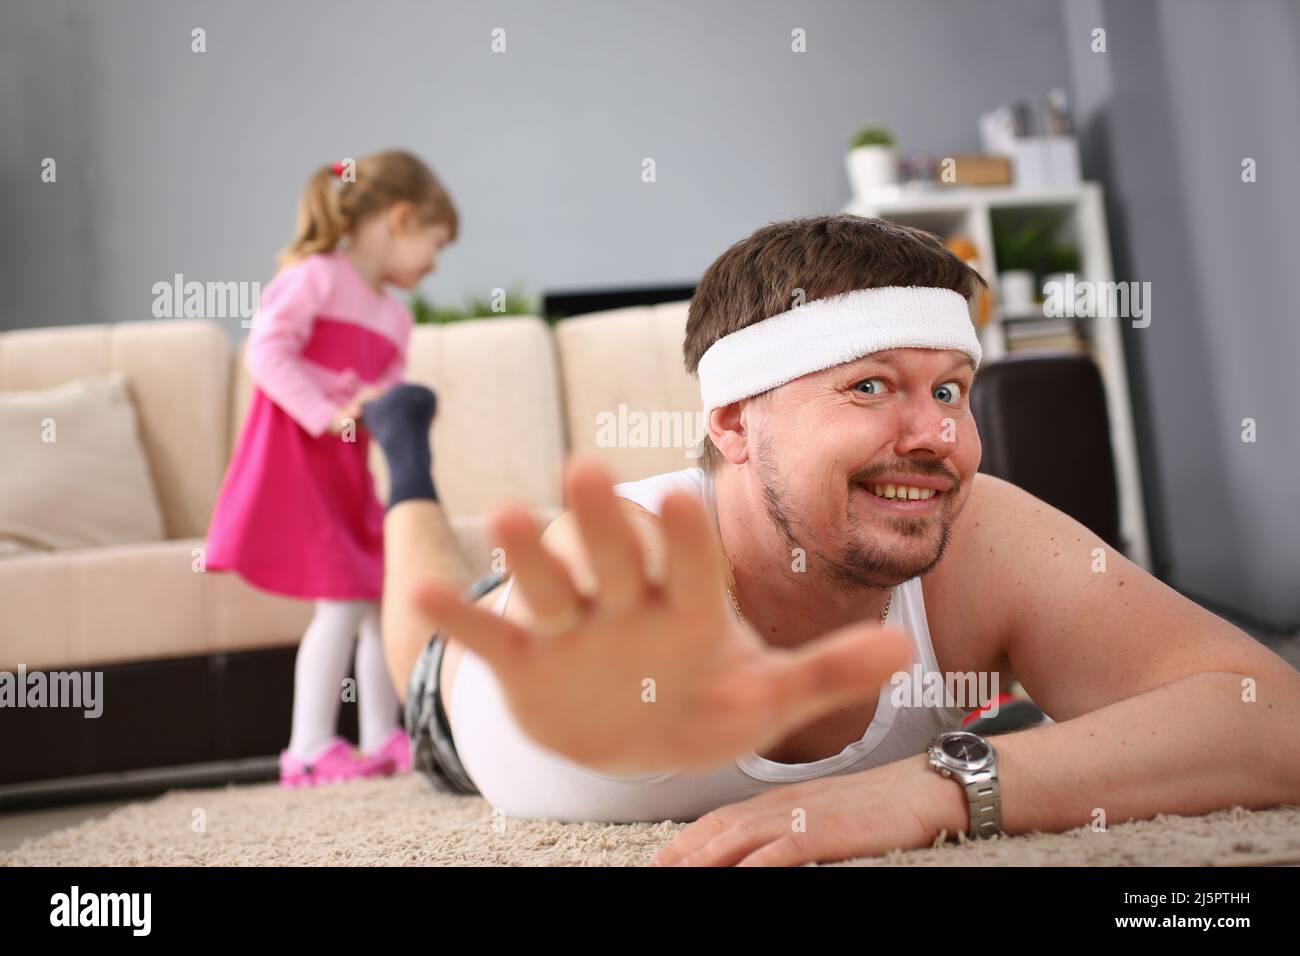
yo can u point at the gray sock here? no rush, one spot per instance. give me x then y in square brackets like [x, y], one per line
[399, 420]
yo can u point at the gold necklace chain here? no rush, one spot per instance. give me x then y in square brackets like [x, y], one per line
[731, 592]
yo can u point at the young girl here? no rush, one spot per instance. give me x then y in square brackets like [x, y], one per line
[297, 512]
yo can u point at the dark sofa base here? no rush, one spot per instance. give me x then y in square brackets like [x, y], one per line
[161, 713]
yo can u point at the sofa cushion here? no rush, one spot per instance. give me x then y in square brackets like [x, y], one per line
[101, 605]
[149, 601]
[75, 474]
[628, 397]
[499, 431]
[134, 602]
[179, 374]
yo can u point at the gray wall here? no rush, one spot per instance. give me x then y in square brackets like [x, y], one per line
[1185, 91]
[171, 161]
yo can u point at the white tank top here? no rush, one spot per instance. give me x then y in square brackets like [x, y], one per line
[525, 780]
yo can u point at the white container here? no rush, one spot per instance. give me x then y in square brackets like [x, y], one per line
[1016, 289]
[1045, 162]
[871, 168]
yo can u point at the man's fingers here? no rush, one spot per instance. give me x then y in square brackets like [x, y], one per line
[498, 641]
[612, 544]
[693, 567]
[740, 840]
[847, 665]
[703, 831]
[547, 588]
[795, 849]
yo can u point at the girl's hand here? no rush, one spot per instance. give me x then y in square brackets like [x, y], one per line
[638, 674]
[351, 412]
[367, 393]
[345, 416]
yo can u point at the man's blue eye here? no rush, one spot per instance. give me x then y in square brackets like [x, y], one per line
[876, 389]
[949, 392]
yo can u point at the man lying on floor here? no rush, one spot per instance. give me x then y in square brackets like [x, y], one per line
[708, 643]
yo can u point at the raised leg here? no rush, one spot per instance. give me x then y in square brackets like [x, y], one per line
[418, 541]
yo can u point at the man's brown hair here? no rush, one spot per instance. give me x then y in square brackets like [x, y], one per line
[818, 256]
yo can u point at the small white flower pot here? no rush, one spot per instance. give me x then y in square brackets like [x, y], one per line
[1017, 290]
[871, 168]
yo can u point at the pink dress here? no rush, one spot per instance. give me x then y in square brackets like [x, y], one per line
[297, 512]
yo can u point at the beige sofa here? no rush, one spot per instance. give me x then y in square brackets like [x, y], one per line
[514, 396]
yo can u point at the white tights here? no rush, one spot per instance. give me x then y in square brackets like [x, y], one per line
[322, 665]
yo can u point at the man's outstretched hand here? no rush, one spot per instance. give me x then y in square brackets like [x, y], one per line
[647, 672]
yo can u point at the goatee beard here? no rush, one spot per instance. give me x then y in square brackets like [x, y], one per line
[872, 566]
[859, 566]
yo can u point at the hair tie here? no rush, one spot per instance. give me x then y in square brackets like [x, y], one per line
[339, 168]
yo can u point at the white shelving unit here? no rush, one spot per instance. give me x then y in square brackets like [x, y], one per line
[971, 211]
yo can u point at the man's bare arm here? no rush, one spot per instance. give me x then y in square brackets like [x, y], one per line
[1163, 707]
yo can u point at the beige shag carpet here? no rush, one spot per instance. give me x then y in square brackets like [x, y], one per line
[402, 821]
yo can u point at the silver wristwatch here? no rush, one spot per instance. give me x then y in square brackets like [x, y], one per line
[971, 761]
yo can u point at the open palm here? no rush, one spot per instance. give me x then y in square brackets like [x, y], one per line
[640, 672]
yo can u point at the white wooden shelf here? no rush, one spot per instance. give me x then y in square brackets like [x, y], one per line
[971, 212]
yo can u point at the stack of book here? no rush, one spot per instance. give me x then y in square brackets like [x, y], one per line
[1057, 335]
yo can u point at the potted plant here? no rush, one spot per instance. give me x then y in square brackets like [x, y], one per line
[871, 160]
[1021, 253]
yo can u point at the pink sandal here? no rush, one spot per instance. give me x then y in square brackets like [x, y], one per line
[338, 763]
[395, 752]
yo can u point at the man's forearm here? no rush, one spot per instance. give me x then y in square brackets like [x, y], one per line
[1187, 748]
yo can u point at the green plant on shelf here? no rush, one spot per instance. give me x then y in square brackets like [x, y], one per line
[872, 136]
[1063, 258]
[1032, 247]
[516, 302]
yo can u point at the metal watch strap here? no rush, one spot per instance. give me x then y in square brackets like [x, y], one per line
[984, 798]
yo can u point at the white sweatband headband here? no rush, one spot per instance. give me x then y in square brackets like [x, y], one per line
[829, 332]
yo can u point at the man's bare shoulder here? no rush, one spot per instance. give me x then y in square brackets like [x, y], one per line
[1002, 545]
[974, 537]
[1034, 593]
[1005, 536]
[999, 524]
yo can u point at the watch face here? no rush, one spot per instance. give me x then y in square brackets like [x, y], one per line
[966, 748]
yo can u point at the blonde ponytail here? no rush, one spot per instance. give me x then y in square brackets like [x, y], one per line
[330, 209]
[320, 221]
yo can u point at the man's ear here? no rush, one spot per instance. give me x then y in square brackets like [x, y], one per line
[727, 429]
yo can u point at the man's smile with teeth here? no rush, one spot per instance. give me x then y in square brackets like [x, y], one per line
[910, 492]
